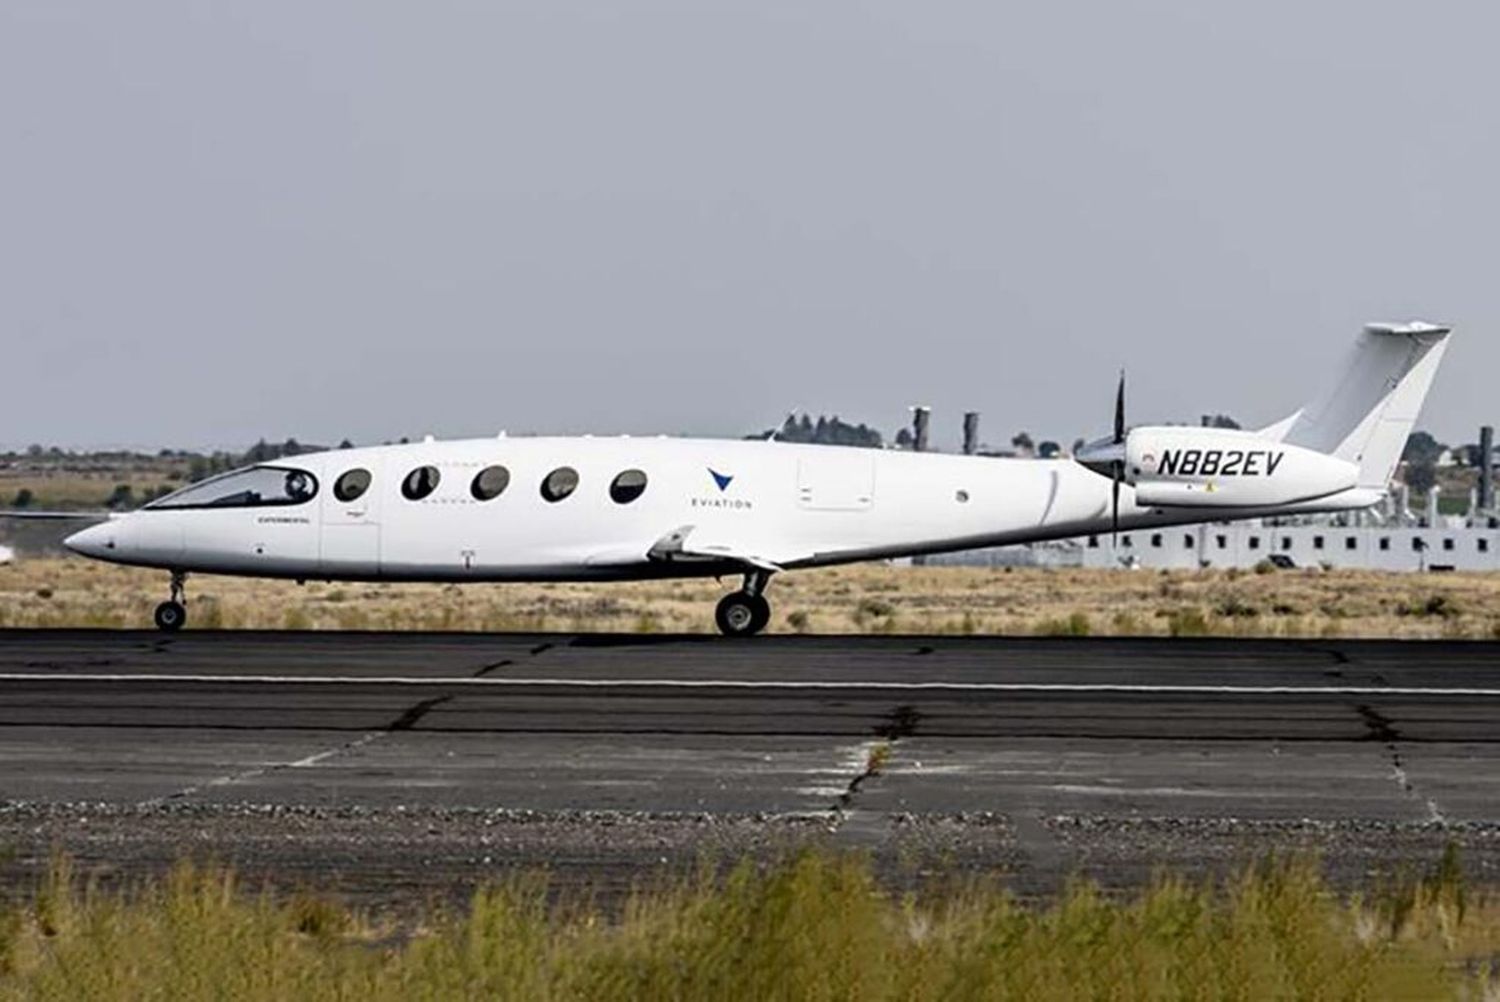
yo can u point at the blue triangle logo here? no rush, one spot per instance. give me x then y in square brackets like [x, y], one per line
[719, 478]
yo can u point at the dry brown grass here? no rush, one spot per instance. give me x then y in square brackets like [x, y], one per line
[869, 598]
[78, 490]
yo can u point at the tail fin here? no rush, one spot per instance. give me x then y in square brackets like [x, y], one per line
[1365, 416]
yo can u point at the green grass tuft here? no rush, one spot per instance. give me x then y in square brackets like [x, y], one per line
[815, 927]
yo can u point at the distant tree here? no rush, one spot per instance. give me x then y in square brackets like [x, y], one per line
[1048, 450]
[24, 497]
[35, 451]
[1421, 447]
[1219, 421]
[1022, 443]
[904, 438]
[346, 444]
[122, 497]
[260, 452]
[1420, 476]
[827, 431]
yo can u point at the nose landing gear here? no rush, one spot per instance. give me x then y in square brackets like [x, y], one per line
[172, 614]
[745, 612]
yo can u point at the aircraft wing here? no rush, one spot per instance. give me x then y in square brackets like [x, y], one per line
[688, 545]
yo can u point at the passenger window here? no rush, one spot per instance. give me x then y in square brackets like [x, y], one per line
[489, 483]
[351, 485]
[420, 482]
[259, 486]
[627, 486]
[560, 483]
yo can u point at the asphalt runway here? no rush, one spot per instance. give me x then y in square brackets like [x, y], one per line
[422, 761]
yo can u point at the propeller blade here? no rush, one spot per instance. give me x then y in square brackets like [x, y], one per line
[1118, 474]
[1120, 410]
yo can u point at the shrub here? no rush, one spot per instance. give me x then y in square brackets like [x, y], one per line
[1189, 622]
[1076, 624]
[1236, 608]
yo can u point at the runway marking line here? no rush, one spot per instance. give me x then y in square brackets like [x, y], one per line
[809, 685]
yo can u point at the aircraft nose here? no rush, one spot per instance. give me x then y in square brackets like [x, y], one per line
[95, 541]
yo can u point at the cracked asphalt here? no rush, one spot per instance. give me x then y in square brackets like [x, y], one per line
[395, 766]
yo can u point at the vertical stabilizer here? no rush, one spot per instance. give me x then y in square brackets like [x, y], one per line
[1368, 412]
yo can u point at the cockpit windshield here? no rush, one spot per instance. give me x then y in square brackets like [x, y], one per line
[259, 486]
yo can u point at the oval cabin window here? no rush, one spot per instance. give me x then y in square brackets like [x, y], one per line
[351, 485]
[489, 483]
[560, 483]
[627, 486]
[420, 482]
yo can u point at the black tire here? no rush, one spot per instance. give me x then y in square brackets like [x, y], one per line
[170, 617]
[740, 614]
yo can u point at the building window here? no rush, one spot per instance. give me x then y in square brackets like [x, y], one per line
[1385, 542]
[1447, 542]
[1094, 542]
[1484, 546]
[351, 484]
[420, 482]
[1254, 542]
[627, 486]
[1156, 540]
[1125, 541]
[560, 483]
[1286, 542]
[1317, 542]
[1187, 541]
[1351, 542]
[1417, 544]
[1222, 541]
[489, 483]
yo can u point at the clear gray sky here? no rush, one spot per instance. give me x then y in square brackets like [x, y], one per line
[222, 221]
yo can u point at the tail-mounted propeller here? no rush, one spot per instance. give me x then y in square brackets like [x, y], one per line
[1106, 456]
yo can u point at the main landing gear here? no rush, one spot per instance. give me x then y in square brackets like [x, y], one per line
[172, 614]
[745, 612]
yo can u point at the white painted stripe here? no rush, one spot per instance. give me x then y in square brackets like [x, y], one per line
[705, 683]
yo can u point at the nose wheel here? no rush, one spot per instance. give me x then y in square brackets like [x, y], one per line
[745, 612]
[171, 615]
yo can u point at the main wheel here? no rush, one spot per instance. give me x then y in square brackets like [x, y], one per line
[741, 614]
[170, 616]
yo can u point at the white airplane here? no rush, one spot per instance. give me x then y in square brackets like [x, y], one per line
[613, 509]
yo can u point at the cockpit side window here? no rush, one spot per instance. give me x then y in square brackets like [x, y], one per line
[256, 487]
